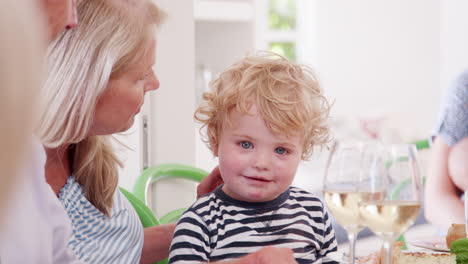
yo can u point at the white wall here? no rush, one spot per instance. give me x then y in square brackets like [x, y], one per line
[173, 104]
[453, 39]
[172, 125]
[378, 57]
[220, 44]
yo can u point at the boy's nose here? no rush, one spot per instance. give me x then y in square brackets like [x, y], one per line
[262, 161]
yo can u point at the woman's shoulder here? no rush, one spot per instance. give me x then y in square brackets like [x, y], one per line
[457, 92]
[73, 198]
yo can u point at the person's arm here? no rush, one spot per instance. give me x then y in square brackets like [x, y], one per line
[210, 182]
[442, 198]
[157, 242]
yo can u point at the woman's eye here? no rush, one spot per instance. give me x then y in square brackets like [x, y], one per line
[280, 150]
[145, 76]
[246, 145]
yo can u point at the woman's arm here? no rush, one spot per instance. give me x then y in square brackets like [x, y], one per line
[157, 242]
[443, 205]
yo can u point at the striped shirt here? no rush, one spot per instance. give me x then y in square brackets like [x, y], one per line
[218, 227]
[97, 238]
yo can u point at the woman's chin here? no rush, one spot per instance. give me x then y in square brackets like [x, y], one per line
[128, 125]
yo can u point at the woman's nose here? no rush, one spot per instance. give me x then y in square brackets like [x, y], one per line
[152, 84]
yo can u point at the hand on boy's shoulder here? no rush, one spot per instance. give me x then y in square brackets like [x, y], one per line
[210, 182]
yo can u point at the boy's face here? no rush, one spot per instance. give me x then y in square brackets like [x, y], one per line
[256, 165]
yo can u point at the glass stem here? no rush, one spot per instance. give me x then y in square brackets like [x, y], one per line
[387, 245]
[352, 246]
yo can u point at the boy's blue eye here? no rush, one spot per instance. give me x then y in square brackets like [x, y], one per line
[246, 145]
[280, 150]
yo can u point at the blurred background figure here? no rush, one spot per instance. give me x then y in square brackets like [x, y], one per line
[21, 50]
[33, 225]
[448, 167]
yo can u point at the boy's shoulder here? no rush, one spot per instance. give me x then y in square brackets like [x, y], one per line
[305, 197]
[299, 192]
[204, 201]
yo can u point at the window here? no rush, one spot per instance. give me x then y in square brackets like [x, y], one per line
[286, 49]
[282, 15]
[281, 28]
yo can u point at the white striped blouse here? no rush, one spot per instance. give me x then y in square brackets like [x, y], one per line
[96, 238]
[217, 227]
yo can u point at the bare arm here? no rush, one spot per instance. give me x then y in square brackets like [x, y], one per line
[157, 242]
[442, 198]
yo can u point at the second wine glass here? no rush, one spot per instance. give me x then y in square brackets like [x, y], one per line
[400, 207]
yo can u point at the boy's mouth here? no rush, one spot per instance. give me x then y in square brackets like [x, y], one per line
[259, 179]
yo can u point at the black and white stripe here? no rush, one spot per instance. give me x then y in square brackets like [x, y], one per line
[217, 227]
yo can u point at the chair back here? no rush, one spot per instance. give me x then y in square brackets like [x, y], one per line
[165, 171]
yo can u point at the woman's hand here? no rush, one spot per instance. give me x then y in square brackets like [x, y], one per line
[210, 182]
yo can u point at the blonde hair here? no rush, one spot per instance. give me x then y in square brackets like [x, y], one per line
[287, 96]
[109, 38]
[21, 51]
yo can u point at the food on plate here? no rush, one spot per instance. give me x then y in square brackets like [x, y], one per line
[411, 257]
[425, 257]
[377, 257]
[460, 248]
[456, 231]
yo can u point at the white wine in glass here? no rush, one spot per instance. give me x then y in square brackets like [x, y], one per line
[349, 165]
[344, 206]
[390, 217]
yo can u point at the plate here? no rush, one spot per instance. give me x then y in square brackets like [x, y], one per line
[337, 256]
[434, 243]
[342, 258]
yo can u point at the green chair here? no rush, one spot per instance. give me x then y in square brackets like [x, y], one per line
[150, 175]
[146, 216]
[421, 144]
[164, 171]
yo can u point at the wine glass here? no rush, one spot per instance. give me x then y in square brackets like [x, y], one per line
[348, 165]
[399, 208]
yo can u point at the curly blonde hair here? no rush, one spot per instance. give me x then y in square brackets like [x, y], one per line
[287, 95]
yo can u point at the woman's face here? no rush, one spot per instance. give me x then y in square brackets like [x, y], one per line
[124, 96]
